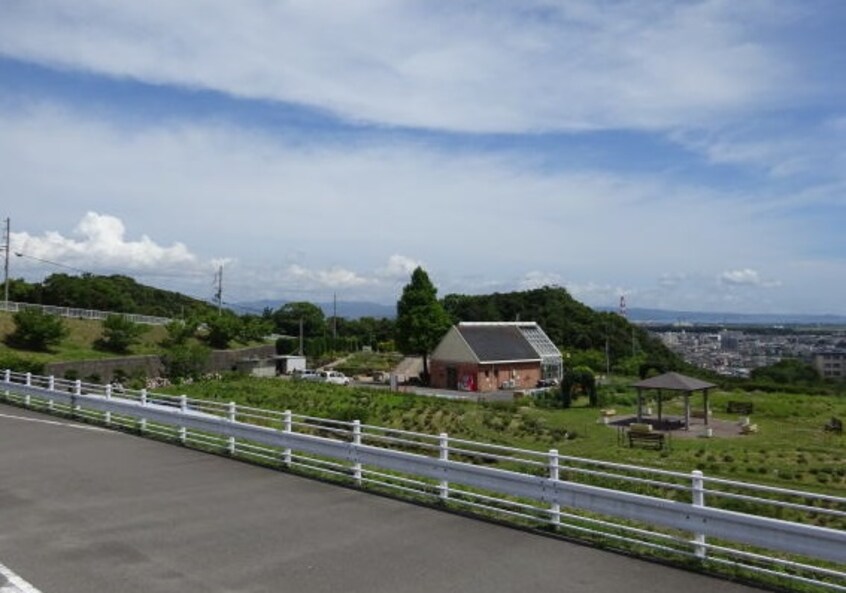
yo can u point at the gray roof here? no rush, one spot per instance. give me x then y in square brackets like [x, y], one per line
[497, 342]
[673, 382]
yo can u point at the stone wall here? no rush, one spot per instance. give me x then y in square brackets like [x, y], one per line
[150, 366]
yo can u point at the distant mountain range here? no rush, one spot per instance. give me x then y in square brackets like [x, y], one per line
[346, 309]
[357, 309]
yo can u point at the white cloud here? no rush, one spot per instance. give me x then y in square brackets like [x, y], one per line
[399, 267]
[332, 278]
[747, 277]
[490, 66]
[101, 245]
[344, 216]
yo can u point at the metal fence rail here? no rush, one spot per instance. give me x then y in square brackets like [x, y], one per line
[74, 313]
[669, 513]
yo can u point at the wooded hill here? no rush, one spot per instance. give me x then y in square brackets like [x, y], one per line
[106, 293]
[577, 329]
[571, 325]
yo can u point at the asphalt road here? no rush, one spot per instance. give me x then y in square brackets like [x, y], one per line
[85, 510]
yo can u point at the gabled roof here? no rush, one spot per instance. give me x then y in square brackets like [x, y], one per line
[497, 342]
[673, 382]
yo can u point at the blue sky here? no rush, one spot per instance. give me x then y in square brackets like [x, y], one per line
[686, 154]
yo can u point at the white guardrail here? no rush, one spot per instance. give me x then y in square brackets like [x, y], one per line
[731, 526]
[74, 313]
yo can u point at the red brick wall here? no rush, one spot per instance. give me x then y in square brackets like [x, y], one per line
[486, 377]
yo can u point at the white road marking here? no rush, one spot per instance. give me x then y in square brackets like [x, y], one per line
[12, 583]
[56, 423]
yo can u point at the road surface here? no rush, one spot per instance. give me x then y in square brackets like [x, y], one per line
[86, 510]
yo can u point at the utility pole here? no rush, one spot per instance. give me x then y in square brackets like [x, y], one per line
[218, 296]
[8, 236]
[334, 318]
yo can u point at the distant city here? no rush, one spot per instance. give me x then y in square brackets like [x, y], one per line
[735, 352]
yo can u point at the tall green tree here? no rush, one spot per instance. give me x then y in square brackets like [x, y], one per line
[36, 330]
[287, 319]
[421, 319]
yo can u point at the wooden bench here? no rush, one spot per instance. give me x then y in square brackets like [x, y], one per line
[743, 408]
[646, 440]
[834, 425]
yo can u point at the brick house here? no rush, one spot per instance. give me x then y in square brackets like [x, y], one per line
[485, 356]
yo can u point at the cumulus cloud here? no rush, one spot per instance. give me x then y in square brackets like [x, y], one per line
[399, 267]
[538, 65]
[335, 277]
[101, 244]
[746, 277]
[346, 217]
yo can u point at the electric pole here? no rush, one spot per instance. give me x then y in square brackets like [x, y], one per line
[218, 295]
[8, 236]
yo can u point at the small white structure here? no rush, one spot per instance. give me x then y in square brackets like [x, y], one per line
[287, 365]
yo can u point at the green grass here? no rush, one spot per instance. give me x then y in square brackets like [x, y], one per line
[791, 449]
[79, 345]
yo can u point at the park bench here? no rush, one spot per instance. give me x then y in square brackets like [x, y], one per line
[743, 408]
[641, 435]
[834, 425]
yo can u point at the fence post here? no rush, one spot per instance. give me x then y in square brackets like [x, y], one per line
[142, 427]
[7, 378]
[77, 391]
[108, 415]
[232, 412]
[52, 385]
[698, 490]
[555, 508]
[356, 442]
[443, 445]
[287, 423]
[29, 379]
[183, 407]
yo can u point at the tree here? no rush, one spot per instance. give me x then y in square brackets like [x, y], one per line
[580, 380]
[222, 329]
[185, 361]
[119, 333]
[787, 372]
[179, 330]
[421, 319]
[287, 319]
[35, 330]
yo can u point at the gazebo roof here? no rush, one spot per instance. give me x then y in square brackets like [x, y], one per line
[673, 382]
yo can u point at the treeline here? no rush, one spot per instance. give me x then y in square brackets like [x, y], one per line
[106, 293]
[586, 337]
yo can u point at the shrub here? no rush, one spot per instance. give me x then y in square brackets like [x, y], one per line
[21, 364]
[35, 330]
[119, 333]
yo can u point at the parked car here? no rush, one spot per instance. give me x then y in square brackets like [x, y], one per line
[305, 375]
[334, 377]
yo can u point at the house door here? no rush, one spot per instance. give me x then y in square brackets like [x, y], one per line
[452, 378]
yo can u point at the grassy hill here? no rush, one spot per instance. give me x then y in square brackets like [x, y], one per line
[79, 345]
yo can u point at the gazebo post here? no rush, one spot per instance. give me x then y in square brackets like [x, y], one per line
[660, 406]
[687, 410]
[639, 405]
[707, 408]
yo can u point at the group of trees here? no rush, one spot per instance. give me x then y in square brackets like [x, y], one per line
[106, 293]
[589, 339]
